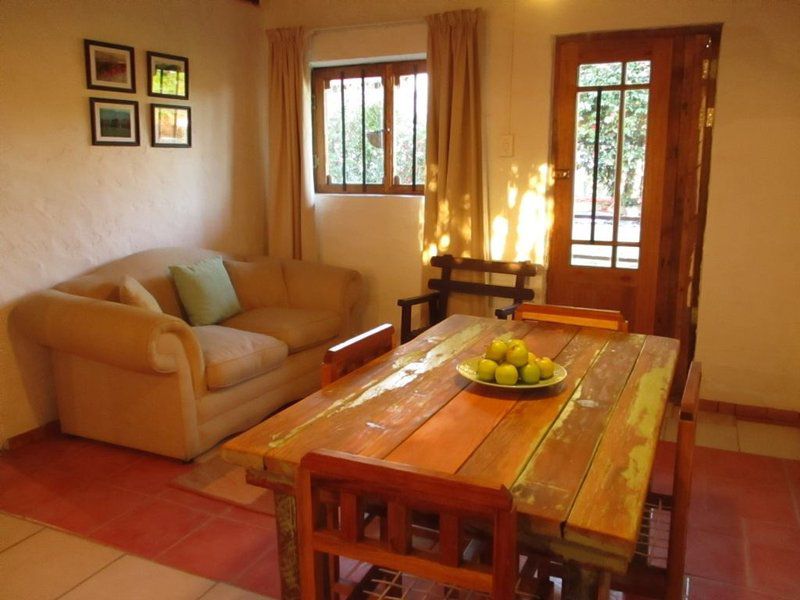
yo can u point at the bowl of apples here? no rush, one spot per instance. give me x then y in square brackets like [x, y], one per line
[508, 363]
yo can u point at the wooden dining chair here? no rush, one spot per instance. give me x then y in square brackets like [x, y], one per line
[572, 315]
[658, 567]
[355, 352]
[445, 284]
[333, 489]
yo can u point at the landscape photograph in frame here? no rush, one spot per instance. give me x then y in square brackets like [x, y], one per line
[109, 66]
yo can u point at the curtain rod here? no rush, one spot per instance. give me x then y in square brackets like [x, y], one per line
[317, 30]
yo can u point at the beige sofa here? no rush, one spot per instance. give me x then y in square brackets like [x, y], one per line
[148, 380]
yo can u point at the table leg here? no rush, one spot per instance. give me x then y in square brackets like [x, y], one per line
[582, 582]
[286, 517]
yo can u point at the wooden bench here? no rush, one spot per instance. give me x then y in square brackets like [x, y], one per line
[444, 285]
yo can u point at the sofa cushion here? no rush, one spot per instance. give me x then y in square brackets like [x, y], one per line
[206, 291]
[233, 356]
[150, 268]
[258, 283]
[133, 293]
[298, 327]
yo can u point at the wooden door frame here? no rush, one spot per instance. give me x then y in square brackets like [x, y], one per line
[685, 173]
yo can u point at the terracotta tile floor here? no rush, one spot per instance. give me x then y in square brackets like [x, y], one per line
[743, 541]
[122, 498]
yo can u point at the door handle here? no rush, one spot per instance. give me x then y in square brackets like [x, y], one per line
[562, 173]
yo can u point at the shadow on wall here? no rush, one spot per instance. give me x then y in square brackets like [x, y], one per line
[27, 374]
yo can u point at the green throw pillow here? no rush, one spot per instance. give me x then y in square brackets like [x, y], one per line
[206, 291]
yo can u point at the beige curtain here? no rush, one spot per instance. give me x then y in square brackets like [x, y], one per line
[290, 214]
[454, 207]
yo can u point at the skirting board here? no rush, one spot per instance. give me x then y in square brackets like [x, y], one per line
[761, 414]
[34, 435]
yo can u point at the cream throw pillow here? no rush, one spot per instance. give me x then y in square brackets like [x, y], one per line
[259, 283]
[133, 293]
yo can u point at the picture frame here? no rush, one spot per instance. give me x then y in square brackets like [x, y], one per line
[109, 66]
[170, 126]
[167, 76]
[114, 122]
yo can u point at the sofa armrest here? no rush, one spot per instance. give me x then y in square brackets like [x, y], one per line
[314, 285]
[108, 332]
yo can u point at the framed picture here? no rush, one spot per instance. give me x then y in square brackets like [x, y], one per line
[109, 67]
[168, 76]
[114, 122]
[171, 125]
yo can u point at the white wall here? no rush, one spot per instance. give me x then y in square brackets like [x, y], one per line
[66, 205]
[379, 236]
[748, 328]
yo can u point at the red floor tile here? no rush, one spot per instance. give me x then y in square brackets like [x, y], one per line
[776, 535]
[746, 468]
[195, 501]
[220, 549]
[763, 502]
[263, 576]
[250, 517]
[150, 475]
[716, 556]
[744, 523]
[45, 453]
[87, 508]
[151, 528]
[721, 519]
[775, 570]
[707, 589]
[98, 461]
[24, 489]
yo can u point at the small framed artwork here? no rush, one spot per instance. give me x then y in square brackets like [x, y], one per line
[171, 126]
[114, 122]
[109, 67]
[168, 76]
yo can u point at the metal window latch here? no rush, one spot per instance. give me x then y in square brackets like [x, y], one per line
[562, 173]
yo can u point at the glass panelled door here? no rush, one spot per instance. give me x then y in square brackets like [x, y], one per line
[611, 109]
[610, 146]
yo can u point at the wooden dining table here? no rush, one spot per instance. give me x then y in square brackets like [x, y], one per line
[577, 456]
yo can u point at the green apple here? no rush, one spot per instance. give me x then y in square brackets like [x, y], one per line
[517, 355]
[532, 358]
[546, 367]
[486, 369]
[506, 374]
[496, 350]
[530, 373]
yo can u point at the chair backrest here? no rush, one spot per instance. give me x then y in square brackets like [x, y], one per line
[445, 284]
[335, 483]
[355, 352]
[572, 315]
[682, 484]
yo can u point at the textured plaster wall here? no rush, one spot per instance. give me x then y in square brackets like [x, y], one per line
[66, 205]
[379, 236]
[748, 330]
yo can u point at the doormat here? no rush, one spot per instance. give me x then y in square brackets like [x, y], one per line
[215, 478]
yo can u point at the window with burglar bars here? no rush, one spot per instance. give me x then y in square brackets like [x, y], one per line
[370, 128]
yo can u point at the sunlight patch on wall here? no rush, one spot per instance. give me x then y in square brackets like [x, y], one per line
[521, 230]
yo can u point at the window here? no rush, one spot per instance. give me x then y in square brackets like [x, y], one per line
[369, 128]
[610, 145]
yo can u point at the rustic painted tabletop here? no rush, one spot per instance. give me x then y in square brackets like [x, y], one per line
[577, 456]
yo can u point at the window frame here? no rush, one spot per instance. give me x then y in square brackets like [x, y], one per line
[389, 72]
